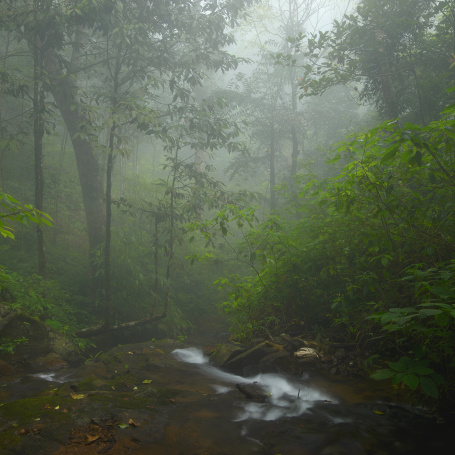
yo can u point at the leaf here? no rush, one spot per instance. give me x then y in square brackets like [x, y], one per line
[404, 364]
[429, 387]
[160, 351]
[133, 423]
[379, 413]
[146, 381]
[77, 396]
[379, 375]
[123, 425]
[411, 380]
[91, 438]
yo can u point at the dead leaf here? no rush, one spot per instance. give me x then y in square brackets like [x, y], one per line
[57, 407]
[380, 413]
[77, 396]
[172, 400]
[146, 381]
[133, 423]
[65, 410]
[122, 425]
[130, 352]
[160, 351]
[46, 406]
[91, 438]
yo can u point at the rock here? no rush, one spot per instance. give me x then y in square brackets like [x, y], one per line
[340, 354]
[226, 352]
[50, 362]
[278, 362]
[64, 347]
[38, 338]
[253, 356]
[6, 369]
[209, 350]
[307, 355]
[252, 391]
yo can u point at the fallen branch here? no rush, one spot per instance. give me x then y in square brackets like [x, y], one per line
[101, 329]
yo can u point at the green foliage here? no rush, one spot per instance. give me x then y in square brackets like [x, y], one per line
[342, 253]
[43, 299]
[8, 346]
[412, 373]
[11, 210]
[393, 54]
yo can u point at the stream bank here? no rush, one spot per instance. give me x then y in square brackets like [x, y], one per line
[142, 398]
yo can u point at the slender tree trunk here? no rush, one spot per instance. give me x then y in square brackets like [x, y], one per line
[272, 177]
[390, 104]
[107, 246]
[38, 133]
[2, 150]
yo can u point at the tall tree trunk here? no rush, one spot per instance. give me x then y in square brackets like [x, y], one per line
[272, 177]
[390, 103]
[107, 246]
[38, 133]
[64, 90]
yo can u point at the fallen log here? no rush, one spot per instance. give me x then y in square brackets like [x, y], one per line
[101, 329]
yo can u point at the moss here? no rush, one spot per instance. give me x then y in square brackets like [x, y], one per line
[119, 401]
[9, 438]
[30, 409]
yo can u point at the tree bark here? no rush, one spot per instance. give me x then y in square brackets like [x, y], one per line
[272, 176]
[63, 88]
[38, 133]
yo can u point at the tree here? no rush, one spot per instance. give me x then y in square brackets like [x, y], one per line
[180, 40]
[394, 54]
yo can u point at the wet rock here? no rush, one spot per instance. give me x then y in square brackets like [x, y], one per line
[38, 338]
[209, 350]
[6, 369]
[340, 354]
[226, 352]
[277, 362]
[50, 362]
[253, 356]
[64, 347]
[307, 355]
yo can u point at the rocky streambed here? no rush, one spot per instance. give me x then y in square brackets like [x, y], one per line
[163, 397]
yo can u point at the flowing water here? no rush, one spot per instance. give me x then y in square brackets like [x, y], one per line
[314, 414]
[310, 415]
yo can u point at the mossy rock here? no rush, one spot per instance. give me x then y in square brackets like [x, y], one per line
[225, 352]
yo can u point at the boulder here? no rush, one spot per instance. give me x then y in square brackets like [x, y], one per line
[225, 352]
[6, 369]
[253, 356]
[38, 339]
[307, 355]
[278, 362]
[51, 361]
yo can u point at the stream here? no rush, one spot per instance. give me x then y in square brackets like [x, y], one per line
[204, 413]
[309, 415]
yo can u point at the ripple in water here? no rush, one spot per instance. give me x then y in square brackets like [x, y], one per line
[286, 397]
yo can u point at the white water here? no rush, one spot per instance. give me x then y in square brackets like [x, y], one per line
[288, 397]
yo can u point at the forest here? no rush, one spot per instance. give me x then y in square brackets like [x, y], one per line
[169, 167]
